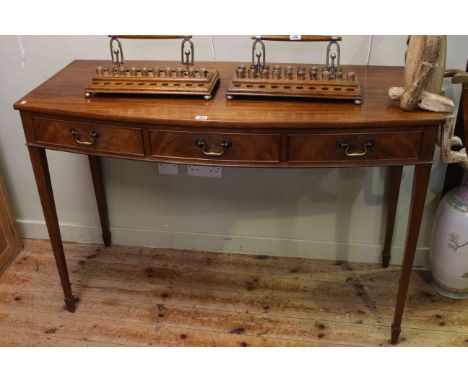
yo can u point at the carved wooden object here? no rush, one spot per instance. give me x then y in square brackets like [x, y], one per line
[454, 174]
[423, 75]
[448, 140]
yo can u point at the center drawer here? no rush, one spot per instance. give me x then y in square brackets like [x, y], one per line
[180, 145]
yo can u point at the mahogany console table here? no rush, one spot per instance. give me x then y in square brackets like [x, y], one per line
[241, 132]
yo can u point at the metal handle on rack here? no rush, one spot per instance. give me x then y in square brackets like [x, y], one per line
[345, 145]
[258, 61]
[187, 49]
[296, 38]
[149, 37]
[94, 135]
[225, 145]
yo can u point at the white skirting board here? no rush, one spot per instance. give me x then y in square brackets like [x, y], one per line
[253, 245]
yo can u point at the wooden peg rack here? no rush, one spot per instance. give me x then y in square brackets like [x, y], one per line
[183, 80]
[301, 81]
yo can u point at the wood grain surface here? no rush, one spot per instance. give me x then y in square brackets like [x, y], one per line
[133, 296]
[63, 95]
[10, 241]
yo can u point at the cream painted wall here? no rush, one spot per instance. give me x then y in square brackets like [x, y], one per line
[321, 213]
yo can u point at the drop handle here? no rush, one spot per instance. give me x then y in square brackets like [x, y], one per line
[93, 136]
[345, 145]
[223, 147]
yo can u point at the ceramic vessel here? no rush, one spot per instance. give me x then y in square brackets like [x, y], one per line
[449, 252]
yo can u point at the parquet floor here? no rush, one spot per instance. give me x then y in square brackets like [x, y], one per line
[133, 296]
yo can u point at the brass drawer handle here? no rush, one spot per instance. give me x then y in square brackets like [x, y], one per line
[345, 145]
[94, 135]
[225, 145]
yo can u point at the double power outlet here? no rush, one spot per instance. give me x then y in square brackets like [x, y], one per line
[206, 171]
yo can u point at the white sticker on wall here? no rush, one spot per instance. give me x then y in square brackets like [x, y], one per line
[201, 117]
[294, 37]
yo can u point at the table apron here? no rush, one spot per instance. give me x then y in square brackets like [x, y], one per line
[241, 147]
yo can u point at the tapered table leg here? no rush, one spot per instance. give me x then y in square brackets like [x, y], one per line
[99, 190]
[44, 187]
[394, 191]
[422, 173]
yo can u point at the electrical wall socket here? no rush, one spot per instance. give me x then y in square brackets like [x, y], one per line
[208, 171]
[168, 169]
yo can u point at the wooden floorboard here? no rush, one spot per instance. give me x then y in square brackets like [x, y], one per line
[132, 296]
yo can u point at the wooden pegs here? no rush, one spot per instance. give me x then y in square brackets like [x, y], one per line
[203, 72]
[313, 74]
[179, 72]
[265, 74]
[351, 76]
[240, 71]
[276, 72]
[301, 73]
